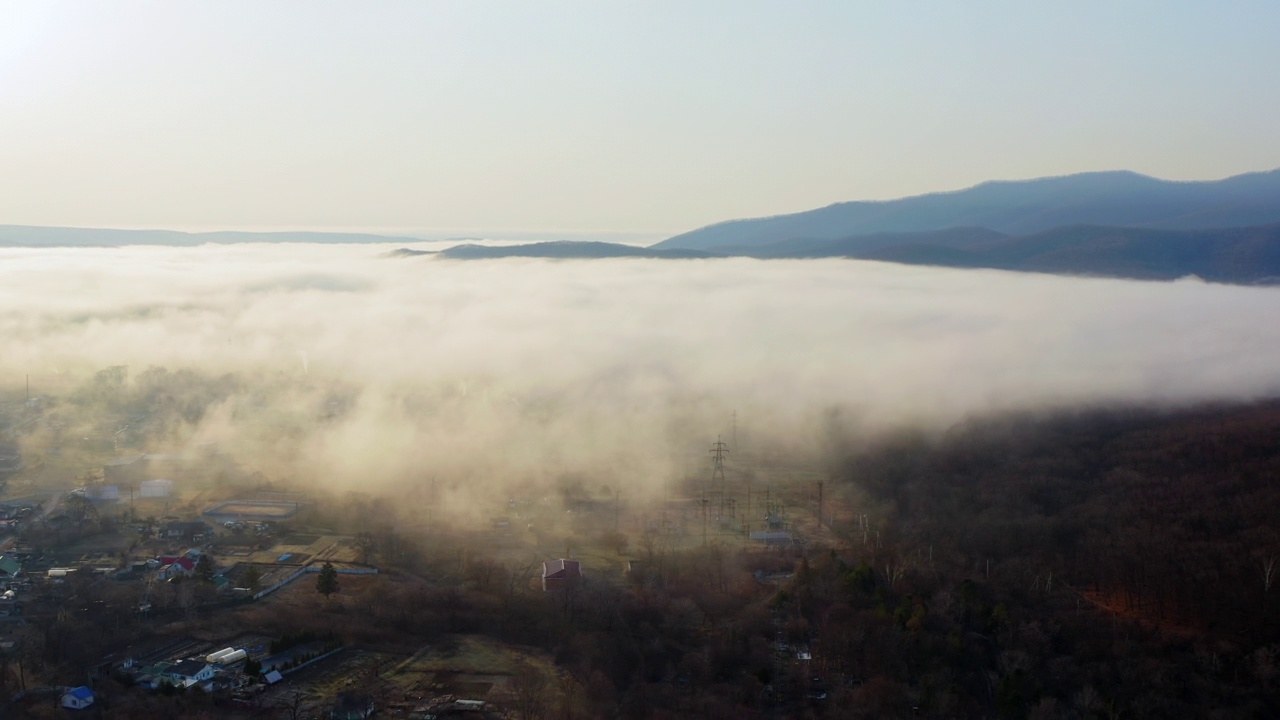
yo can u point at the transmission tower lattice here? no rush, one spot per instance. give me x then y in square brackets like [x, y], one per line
[718, 450]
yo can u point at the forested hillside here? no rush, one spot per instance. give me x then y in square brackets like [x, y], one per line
[1110, 563]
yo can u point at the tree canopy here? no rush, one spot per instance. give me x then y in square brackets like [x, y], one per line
[327, 582]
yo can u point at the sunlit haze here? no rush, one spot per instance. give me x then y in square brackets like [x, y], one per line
[637, 117]
[639, 360]
[618, 369]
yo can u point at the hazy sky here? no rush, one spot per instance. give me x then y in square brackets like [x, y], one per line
[640, 116]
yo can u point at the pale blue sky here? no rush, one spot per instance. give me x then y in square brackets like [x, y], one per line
[653, 117]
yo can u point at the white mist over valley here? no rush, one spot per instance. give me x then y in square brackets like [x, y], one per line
[352, 368]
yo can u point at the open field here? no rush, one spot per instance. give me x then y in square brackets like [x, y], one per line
[251, 510]
[302, 549]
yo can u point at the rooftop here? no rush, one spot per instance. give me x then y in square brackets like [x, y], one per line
[556, 567]
[188, 668]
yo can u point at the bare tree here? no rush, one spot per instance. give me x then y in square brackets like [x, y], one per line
[518, 578]
[366, 545]
[648, 540]
[292, 705]
[531, 688]
[893, 571]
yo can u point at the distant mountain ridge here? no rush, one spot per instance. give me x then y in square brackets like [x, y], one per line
[41, 236]
[567, 250]
[1114, 224]
[1021, 207]
[1245, 255]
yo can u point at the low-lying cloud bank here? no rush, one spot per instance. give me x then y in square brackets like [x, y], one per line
[358, 370]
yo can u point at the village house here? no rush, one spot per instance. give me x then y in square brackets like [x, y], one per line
[151, 676]
[77, 698]
[189, 672]
[193, 530]
[560, 574]
[9, 567]
[171, 567]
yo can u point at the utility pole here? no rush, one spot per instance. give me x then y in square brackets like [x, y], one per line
[617, 498]
[704, 521]
[819, 503]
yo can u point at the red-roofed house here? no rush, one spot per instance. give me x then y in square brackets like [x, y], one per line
[560, 574]
[171, 567]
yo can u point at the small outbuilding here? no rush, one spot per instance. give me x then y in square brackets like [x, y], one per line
[158, 488]
[560, 574]
[773, 538]
[77, 698]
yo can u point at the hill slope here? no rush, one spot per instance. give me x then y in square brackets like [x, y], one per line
[862, 245]
[1232, 255]
[1123, 199]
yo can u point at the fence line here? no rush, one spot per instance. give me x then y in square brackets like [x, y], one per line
[313, 568]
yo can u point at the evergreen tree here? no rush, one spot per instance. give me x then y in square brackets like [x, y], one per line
[253, 579]
[327, 583]
[204, 569]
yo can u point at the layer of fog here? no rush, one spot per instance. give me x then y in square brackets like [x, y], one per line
[359, 370]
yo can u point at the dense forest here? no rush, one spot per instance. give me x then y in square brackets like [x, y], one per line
[1113, 562]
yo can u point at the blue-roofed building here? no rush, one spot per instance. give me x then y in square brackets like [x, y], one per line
[77, 698]
[9, 567]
